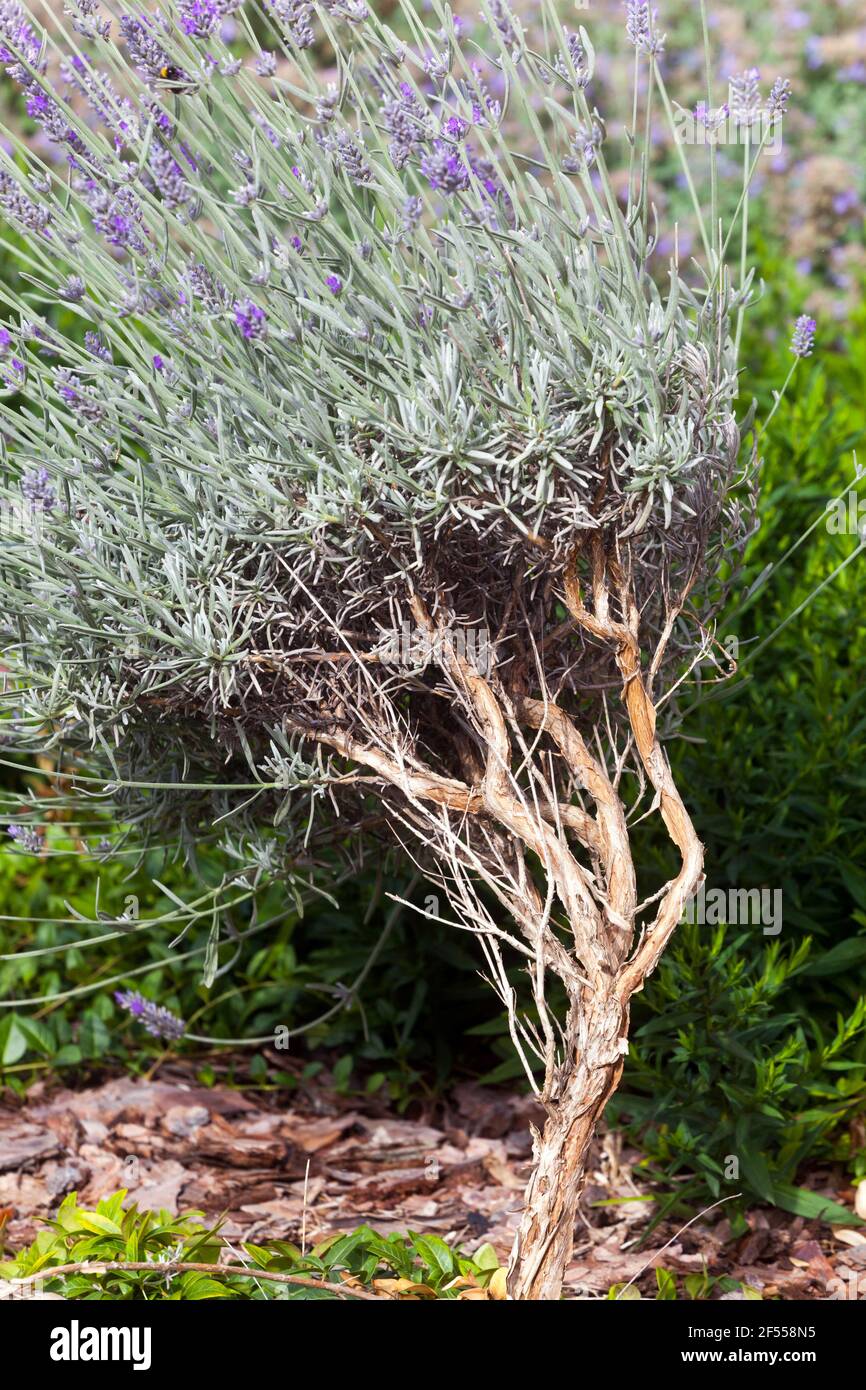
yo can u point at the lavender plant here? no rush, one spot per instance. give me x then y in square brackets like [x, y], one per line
[384, 494]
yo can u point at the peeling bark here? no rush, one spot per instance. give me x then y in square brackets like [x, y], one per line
[542, 1247]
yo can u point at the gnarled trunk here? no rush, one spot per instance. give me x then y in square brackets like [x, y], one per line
[543, 1244]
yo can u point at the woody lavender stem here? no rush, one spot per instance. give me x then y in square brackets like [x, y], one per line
[598, 1016]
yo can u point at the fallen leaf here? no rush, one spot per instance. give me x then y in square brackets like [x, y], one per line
[404, 1288]
[850, 1237]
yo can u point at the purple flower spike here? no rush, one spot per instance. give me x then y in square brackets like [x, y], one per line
[640, 28]
[266, 64]
[158, 1021]
[744, 96]
[780, 95]
[26, 838]
[199, 18]
[250, 319]
[445, 169]
[36, 489]
[335, 284]
[804, 336]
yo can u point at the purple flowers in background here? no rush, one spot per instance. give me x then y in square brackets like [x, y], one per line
[296, 15]
[411, 216]
[640, 27]
[250, 319]
[407, 122]
[445, 169]
[199, 18]
[26, 838]
[845, 203]
[349, 154]
[168, 178]
[266, 64]
[803, 336]
[70, 389]
[780, 95]
[578, 61]
[744, 98]
[16, 204]
[158, 1021]
[145, 50]
[97, 347]
[502, 18]
[335, 284]
[18, 34]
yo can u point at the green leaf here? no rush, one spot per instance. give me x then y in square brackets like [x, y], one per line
[342, 1071]
[436, 1254]
[37, 1034]
[754, 1166]
[13, 1041]
[200, 1286]
[211, 955]
[812, 1205]
[485, 1257]
[846, 956]
[97, 1223]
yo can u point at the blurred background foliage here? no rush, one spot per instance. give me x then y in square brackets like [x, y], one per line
[741, 1044]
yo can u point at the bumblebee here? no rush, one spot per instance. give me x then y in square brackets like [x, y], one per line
[175, 79]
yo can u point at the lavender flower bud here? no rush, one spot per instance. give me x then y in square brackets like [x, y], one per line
[266, 64]
[502, 18]
[445, 169]
[82, 402]
[97, 347]
[407, 122]
[803, 336]
[199, 18]
[640, 28]
[780, 95]
[296, 16]
[26, 838]
[744, 97]
[158, 1021]
[73, 290]
[17, 205]
[348, 153]
[250, 319]
[145, 50]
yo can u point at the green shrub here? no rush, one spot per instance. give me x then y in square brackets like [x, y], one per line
[731, 1083]
[411, 1266]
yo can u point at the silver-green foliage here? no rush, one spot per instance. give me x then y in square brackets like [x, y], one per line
[343, 342]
